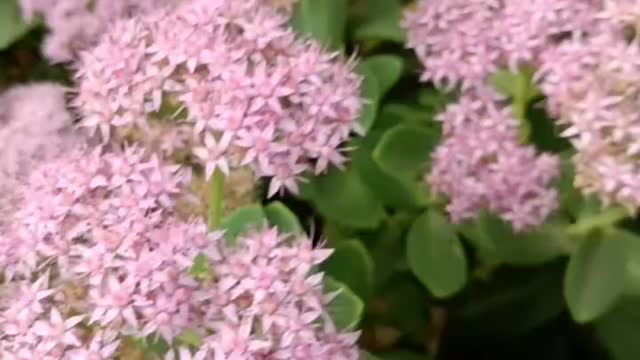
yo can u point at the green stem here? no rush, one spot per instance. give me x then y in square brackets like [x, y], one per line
[604, 219]
[216, 200]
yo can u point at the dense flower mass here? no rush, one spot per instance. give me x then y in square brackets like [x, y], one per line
[480, 165]
[34, 126]
[77, 24]
[251, 94]
[592, 85]
[463, 41]
[95, 244]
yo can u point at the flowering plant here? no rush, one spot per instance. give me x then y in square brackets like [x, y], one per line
[319, 179]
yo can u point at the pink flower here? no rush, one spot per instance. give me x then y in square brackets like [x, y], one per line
[57, 330]
[214, 154]
[246, 94]
[74, 26]
[96, 350]
[114, 303]
[461, 42]
[480, 165]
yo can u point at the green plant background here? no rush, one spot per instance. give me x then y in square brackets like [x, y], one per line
[418, 286]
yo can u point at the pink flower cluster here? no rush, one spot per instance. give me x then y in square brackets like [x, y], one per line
[101, 228]
[232, 72]
[593, 83]
[480, 165]
[463, 41]
[34, 126]
[77, 24]
[268, 303]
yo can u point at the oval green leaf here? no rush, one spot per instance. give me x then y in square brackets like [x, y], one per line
[595, 278]
[345, 308]
[245, 219]
[378, 20]
[341, 196]
[435, 255]
[387, 70]
[11, 25]
[370, 92]
[284, 219]
[324, 20]
[352, 265]
[404, 150]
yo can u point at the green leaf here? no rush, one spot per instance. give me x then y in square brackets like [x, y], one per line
[378, 20]
[402, 305]
[245, 219]
[497, 243]
[284, 219]
[153, 346]
[632, 264]
[346, 308]
[371, 93]
[404, 150]
[190, 338]
[392, 115]
[341, 196]
[324, 20]
[387, 70]
[618, 330]
[12, 27]
[387, 247]
[393, 190]
[352, 265]
[200, 270]
[595, 278]
[435, 255]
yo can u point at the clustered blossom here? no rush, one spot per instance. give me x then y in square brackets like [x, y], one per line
[592, 86]
[77, 24]
[250, 93]
[463, 41]
[480, 165]
[34, 126]
[95, 245]
[268, 303]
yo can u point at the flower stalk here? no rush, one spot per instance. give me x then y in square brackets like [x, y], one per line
[216, 200]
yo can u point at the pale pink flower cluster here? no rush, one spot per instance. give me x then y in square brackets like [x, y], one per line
[463, 41]
[77, 24]
[32, 326]
[480, 165]
[115, 258]
[592, 83]
[86, 201]
[268, 303]
[34, 126]
[252, 94]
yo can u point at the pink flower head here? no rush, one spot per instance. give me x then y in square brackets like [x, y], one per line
[480, 165]
[100, 348]
[253, 94]
[463, 41]
[75, 24]
[591, 86]
[268, 302]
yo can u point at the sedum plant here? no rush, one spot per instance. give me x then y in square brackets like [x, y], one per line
[335, 179]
